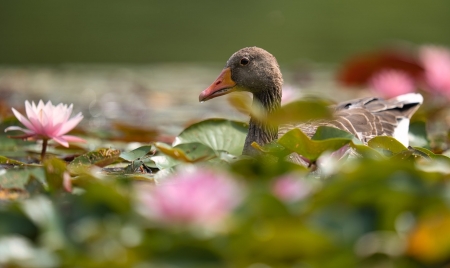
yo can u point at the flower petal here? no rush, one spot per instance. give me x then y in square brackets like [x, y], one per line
[23, 120]
[71, 138]
[67, 112]
[12, 128]
[33, 116]
[70, 124]
[62, 114]
[61, 141]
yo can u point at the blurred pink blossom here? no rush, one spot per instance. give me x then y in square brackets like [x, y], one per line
[67, 182]
[436, 62]
[391, 83]
[46, 121]
[290, 189]
[290, 93]
[197, 197]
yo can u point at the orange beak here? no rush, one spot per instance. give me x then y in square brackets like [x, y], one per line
[223, 85]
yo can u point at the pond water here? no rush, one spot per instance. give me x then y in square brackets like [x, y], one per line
[161, 96]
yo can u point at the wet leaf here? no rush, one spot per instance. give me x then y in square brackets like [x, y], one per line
[100, 157]
[324, 132]
[432, 162]
[386, 143]
[271, 148]
[296, 141]
[405, 155]
[5, 160]
[136, 153]
[301, 111]
[54, 172]
[244, 104]
[418, 135]
[430, 154]
[14, 178]
[187, 152]
[218, 134]
[366, 151]
[165, 162]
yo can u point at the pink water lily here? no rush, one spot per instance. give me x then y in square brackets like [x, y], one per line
[436, 62]
[290, 188]
[390, 83]
[199, 197]
[46, 121]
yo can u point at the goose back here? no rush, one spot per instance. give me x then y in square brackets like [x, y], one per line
[368, 117]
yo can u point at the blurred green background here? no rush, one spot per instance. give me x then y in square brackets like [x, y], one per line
[138, 31]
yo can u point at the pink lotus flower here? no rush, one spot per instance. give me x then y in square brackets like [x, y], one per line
[436, 62]
[391, 83]
[290, 93]
[46, 121]
[290, 189]
[195, 197]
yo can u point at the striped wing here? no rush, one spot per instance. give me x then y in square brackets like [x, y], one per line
[369, 117]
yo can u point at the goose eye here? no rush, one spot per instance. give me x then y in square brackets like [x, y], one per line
[244, 61]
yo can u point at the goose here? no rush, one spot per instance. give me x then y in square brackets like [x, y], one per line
[255, 70]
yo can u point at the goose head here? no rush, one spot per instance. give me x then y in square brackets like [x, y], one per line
[250, 69]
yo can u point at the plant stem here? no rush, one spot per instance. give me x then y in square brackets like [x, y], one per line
[44, 149]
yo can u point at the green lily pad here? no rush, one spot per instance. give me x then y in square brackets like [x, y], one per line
[218, 134]
[19, 178]
[324, 133]
[54, 172]
[100, 157]
[366, 151]
[164, 162]
[187, 152]
[5, 160]
[405, 155]
[270, 148]
[298, 142]
[301, 111]
[136, 153]
[386, 143]
[244, 104]
[418, 135]
[431, 155]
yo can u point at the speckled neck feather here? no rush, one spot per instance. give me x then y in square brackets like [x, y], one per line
[261, 132]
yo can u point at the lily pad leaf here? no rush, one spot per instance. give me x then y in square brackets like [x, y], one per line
[225, 157]
[218, 134]
[324, 132]
[187, 152]
[54, 172]
[273, 148]
[366, 151]
[136, 153]
[418, 135]
[409, 155]
[100, 157]
[165, 162]
[386, 143]
[5, 160]
[244, 104]
[301, 111]
[16, 178]
[431, 155]
[298, 142]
